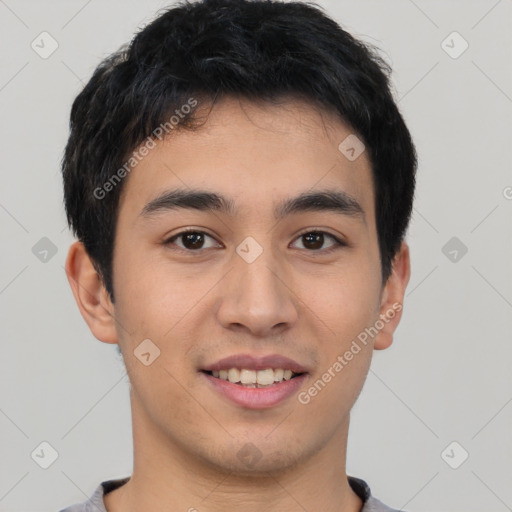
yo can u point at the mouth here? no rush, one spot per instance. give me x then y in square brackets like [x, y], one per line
[249, 378]
[255, 382]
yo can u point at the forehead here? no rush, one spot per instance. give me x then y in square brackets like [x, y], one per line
[255, 154]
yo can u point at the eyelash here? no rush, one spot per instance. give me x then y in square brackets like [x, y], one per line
[338, 243]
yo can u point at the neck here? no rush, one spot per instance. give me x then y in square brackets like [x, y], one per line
[167, 477]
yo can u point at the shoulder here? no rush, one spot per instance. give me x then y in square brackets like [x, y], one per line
[370, 503]
[374, 505]
[95, 503]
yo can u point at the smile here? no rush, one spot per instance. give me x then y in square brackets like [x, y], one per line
[254, 379]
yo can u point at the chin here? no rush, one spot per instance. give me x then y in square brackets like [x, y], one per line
[256, 459]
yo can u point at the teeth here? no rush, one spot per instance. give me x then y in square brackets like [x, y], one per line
[253, 378]
[278, 375]
[248, 377]
[265, 377]
[233, 375]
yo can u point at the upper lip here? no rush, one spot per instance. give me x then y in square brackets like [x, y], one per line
[250, 362]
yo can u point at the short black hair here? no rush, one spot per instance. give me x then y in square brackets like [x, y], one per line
[209, 49]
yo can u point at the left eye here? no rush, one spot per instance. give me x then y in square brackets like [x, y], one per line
[314, 240]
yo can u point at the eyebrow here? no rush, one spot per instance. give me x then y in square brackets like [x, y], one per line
[328, 200]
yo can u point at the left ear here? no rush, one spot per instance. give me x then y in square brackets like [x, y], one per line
[392, 298]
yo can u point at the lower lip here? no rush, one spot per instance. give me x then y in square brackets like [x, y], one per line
[257, 398]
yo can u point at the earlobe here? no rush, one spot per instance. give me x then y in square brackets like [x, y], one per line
[392, 298]
[90, 294]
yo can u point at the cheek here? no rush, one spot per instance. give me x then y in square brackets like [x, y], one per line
[159, 303]
[150, 309]
[344, 302]
[342, 312]
[151, 296]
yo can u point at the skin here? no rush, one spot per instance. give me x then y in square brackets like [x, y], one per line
[294, 300]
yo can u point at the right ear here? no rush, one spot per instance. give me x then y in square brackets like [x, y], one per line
[90, 294]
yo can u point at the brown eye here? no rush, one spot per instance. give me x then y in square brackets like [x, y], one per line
[314, 241]
[191, 240]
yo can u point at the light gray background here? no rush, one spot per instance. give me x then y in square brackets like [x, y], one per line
[447, 376]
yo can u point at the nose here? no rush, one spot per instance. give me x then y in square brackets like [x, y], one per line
[257, 299]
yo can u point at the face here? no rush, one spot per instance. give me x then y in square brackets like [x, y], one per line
[265, 280]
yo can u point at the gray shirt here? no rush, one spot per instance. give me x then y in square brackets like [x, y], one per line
[95, 502]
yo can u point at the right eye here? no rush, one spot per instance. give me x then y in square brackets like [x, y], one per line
[192, 240]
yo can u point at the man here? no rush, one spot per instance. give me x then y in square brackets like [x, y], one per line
[240, 182]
